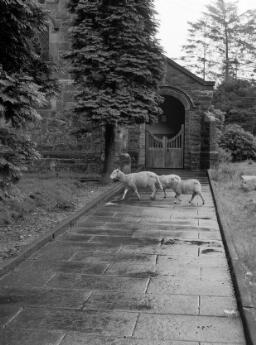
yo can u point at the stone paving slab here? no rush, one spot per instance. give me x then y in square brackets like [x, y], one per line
[181, 285]
[216, 274]
[172, 250]
[132, 270]
[81, 339]
[166, 234]
[94, 282]
[131, 273]
[185, 327]
[53, 298]
[218, 306]
[173, 269]
[81, 256]
[38, 273]
[222, 343]
[204, 260]
[28, 277]
[209, 223]
[116, 323]
[211, 235]
[7, 312]
[30, 337]
[149, 303]
[122, 240]
[61, 250]
[233, 343]
[102, 230]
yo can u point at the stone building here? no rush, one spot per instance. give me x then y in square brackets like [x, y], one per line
[183, 137]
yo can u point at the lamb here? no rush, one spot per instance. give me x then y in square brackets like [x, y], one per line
[137, 180]
[186, 187]
[167, 180]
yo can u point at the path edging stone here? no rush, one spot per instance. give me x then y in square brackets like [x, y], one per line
[59, 228]
[243, 295]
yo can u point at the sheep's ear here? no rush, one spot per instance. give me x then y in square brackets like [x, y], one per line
[242, 177]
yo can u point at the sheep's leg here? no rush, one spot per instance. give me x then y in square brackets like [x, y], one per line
[192, 197]
[153, 195]
[177, 197]
[124, 193]
[201, 196]
[165, 194]
[136, 192]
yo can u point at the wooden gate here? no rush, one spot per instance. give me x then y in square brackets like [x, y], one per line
[163, 152]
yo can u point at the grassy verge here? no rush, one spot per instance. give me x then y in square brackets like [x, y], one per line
[37, 204]
[238, 214]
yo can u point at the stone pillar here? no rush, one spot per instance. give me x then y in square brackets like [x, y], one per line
[125, 162]
[142, 146]
[195, 139]
[121, 138]
[121, 143]
[209, 142]
[213, 147]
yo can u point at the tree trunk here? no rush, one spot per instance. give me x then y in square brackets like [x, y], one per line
[227, 67]
[109, 152]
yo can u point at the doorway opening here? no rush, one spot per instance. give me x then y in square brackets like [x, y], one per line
[165, 139]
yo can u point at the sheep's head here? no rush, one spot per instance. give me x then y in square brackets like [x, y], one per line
[248, 183]
[115, 175]
[174, 179]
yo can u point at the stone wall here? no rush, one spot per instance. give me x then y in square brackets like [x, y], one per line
[53, 133]
[195, 94]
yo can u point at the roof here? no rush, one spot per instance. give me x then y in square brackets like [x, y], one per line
[188, 73]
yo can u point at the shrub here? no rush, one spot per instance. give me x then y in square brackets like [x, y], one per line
[16, 150]
[240, 143]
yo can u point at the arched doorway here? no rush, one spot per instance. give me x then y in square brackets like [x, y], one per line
[165, 139]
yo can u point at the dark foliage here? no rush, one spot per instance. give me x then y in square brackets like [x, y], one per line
[240, 143]
[25, 82]
[117, 64]
[237, 98]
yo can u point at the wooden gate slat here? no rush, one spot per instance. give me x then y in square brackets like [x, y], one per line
[163, 152]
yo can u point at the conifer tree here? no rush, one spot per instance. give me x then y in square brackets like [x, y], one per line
[237, 99]
[198, 41]
[117, 64]
[231, 38]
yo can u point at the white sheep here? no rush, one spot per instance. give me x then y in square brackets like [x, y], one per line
[142, 179]
[190, 186]
[167, 181]
[248, 182]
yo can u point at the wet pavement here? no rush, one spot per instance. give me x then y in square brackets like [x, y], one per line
[132, 273]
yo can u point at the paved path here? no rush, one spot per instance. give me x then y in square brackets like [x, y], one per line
[132, 273]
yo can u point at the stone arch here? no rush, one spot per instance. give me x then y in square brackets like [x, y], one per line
[167, 140]
[178, 93]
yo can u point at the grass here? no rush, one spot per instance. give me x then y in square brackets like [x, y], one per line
[37, 203]
[239, 208]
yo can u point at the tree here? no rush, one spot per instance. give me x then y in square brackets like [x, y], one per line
[237, 98]
[230, 36]
[200, 63]
[25, 81]
[117, 65]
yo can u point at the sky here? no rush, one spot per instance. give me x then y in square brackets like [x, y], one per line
[173, 16]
